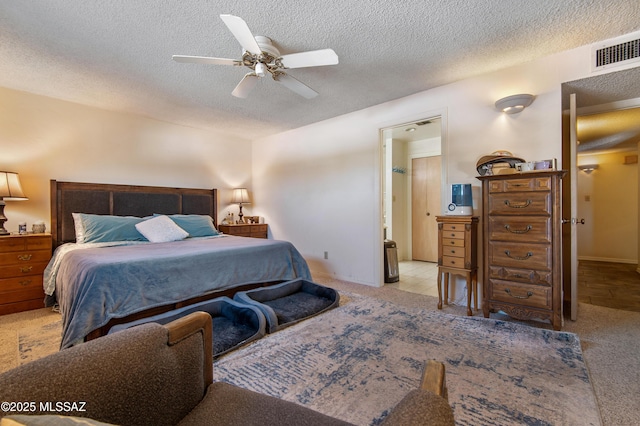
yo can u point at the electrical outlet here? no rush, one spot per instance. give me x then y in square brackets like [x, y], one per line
[326, 255]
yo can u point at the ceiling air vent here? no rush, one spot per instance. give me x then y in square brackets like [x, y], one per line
[616, 52]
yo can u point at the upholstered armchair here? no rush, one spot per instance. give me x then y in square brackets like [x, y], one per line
[162, 375]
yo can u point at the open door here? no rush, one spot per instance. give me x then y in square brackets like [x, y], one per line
[572, 222]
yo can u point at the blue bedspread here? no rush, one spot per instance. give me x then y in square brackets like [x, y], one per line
[94, 285]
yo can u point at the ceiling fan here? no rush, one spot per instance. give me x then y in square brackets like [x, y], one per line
[262, 57]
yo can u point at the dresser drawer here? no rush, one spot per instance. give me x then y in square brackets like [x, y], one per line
[522, 294]
[458, 235]
[453, 251]
[521, 256]
[20, 243]
[23, 257]
[521, 184]
[521, 228]
[456, 227]
[533, 203]
[20, 283]
[453, 262]
[521, 275]
[452, 242]
[20, 270]
[22, 295]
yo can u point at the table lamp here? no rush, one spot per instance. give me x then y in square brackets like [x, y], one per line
[10, 190]
[240, 196]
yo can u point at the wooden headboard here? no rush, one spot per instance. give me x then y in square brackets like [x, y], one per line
[123, 200]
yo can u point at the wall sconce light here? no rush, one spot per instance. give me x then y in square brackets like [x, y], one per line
[240, 196]
[11, 190]
[588, 168]
[514, 104]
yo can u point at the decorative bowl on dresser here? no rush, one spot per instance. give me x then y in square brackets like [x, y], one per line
[522, 245]
[23, 259]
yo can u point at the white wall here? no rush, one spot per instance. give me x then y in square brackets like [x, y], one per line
[43, 138]
[321, 183]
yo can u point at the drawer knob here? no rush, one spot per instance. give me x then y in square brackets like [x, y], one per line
[508, 291]
[25, 283]
[517, 205]
[508, 253]
[25, 257]
[26, 269]
[518, 231]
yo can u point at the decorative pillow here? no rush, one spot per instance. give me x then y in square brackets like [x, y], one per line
[48, 420]
[93, 228]
[161, 229]
[196, 225]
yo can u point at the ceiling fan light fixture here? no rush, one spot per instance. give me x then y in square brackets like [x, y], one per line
[260, 69]
[514, 104]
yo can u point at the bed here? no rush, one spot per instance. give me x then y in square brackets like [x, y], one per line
[100, 282]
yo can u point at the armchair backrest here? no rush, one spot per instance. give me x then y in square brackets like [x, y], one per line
[150, 374]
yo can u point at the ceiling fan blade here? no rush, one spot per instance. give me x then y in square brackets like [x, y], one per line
[295, 85]
[245, 86]
[313, 58]
[206, 60]
[242, 33]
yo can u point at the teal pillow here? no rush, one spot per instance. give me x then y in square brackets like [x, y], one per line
[92, 228]
[196, 225]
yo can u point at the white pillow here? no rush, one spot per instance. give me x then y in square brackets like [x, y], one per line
[161, 229]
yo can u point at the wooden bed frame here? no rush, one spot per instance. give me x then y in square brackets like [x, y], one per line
[130, 200]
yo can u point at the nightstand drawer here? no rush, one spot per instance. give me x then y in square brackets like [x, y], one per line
[257, 230]
[20, 283]
[22, 257]
[25, 242]
[19, 270]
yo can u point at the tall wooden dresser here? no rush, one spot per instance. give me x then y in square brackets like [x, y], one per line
[23, 259]
[522, 245]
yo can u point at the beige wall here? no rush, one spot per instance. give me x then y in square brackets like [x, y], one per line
[608, 202]
[43, 138]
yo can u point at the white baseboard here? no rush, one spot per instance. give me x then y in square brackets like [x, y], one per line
[608, 259]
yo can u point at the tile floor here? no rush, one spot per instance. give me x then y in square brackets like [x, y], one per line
[417, 277]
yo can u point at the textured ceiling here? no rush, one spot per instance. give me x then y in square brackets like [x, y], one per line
[116, 54]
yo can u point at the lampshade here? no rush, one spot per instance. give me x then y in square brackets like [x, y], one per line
[10, 188]
[514, 104]
[240, 196]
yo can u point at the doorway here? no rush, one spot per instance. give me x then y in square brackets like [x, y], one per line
[406, 150]
[600, 101]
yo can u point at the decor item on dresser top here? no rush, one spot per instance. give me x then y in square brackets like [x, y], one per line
[522, 246]
[162, 375]
[357, 361]
[105, 277]
[10, 190]
[504, 160]
[240, 196]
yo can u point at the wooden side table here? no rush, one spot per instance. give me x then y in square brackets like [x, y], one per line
[458, 255]
[254, 230]
[23, 259]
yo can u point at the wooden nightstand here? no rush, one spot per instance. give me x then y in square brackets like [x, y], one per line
[255, 230]
[457, 255]
[23, 259]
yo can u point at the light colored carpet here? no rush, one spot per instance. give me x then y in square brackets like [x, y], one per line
[610, 341]
[358, 361]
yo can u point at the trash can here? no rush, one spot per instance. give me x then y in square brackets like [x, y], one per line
[391, 270]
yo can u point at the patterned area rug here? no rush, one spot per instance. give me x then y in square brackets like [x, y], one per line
[357, 361]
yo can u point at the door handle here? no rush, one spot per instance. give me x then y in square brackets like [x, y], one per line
[573, 221]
